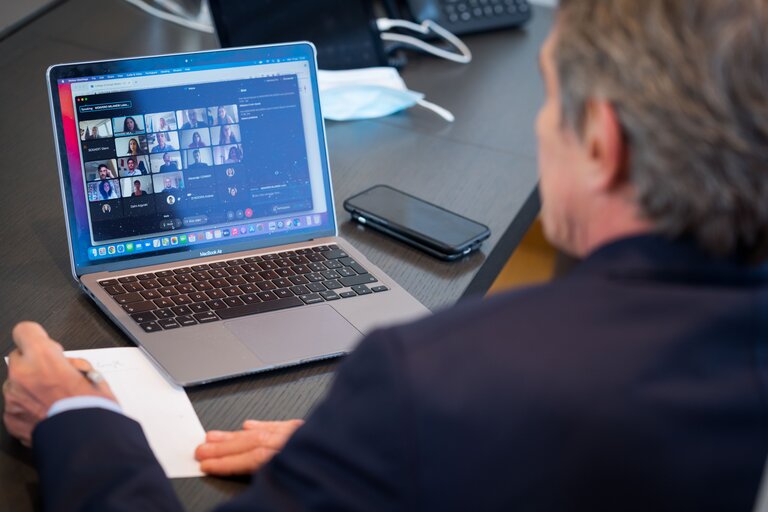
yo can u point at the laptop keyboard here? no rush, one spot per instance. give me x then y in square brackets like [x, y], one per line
[223, 290]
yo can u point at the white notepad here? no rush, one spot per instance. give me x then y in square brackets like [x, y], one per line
[161, 407]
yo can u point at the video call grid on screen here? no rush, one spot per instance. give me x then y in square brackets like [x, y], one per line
[189, 155]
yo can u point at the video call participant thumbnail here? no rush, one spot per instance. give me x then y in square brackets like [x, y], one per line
[223, 114]
[232, 185]
[232, 175]
[192, 118]
[226, 134]
[201, 187]
[160, 122]
[100, 170]
[171, 183]
[164, 141]
[197, 158]
[106, 210]
[166, 162]
[95, 129]
[195, 139]
[128, 125]
[203, 176]
[169, 188]
[200, 198]
[234, 190]
[133, 166]
[137, 186]
[138, 196]
[233, 193]
[131, 146]
[228, 154]
[104, 190]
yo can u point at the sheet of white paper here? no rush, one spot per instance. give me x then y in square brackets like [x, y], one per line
[161, 408]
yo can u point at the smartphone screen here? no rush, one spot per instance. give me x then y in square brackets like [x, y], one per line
[416, 219]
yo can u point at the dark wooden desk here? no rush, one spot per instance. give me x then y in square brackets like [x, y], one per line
[482, 166]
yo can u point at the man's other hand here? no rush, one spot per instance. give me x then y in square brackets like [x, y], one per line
[38, 376]
[244, 451]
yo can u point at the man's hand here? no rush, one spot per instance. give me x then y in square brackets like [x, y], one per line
[244, 451]
[38, 376]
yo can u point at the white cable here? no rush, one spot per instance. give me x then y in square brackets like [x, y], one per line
[418, 43]
[173, 18]
[385, 24]
[172, 7]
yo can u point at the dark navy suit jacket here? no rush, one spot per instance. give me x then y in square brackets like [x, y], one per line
[637, 383]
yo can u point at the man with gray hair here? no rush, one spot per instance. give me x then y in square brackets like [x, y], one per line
[638, 382]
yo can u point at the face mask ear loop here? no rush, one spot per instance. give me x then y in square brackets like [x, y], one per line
[463, 57]
[437, 109]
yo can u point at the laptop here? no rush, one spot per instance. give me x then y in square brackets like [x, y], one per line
[343, 31]
[200, 214]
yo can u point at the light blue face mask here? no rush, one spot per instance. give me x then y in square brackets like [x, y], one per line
[365, 101]
[368, 101]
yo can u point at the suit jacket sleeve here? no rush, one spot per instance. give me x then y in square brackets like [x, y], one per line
[355, 452]
[99, 460]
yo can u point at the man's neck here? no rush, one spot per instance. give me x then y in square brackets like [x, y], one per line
[613, 221]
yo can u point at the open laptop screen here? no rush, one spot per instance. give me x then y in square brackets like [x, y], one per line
[196, 153]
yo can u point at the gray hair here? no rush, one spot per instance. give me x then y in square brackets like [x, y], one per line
[689, 82]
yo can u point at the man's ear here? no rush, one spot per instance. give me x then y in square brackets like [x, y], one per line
[605, 146]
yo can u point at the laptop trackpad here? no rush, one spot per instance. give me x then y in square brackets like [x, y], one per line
[296, 334]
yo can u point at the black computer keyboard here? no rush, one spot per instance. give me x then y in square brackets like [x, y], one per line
[229, 289]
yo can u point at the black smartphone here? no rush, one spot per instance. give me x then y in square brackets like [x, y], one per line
[434, 230]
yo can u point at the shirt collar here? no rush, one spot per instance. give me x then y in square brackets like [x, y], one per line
[654, 257]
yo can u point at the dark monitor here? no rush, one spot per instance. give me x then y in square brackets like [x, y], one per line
[343, 31]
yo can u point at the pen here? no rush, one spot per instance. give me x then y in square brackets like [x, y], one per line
[93, 376]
